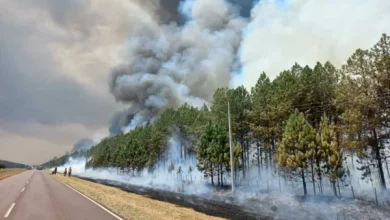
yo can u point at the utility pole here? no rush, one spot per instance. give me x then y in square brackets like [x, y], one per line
[231, 151]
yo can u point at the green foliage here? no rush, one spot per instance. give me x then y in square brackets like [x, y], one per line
[213, 151]
[2, 166]
[240, 105]
[143, 146]
[331, 152]
[363, 98]
[298, 145]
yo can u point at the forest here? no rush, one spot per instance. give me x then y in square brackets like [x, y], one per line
[303, 125]
[9, 164]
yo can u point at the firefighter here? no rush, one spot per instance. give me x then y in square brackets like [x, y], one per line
[70, 171]
[65, 171]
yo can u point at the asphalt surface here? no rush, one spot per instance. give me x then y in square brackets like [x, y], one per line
[36, 195]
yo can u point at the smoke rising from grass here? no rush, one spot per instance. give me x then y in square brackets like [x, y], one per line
[264, 193]
[162, 177]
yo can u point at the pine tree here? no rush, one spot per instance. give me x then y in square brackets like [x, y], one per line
[332, 152]
[363, 111]
[205, 153]
[298, 140]
[260, 118]
[213, 152]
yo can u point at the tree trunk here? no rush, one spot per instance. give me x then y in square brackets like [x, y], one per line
[270, 157]
[258, 155]
[235, 175]
[181, 152]
[273, 147]
[319, 174]
[387, 168]
[221, 174]
[185, 153]
[338, 186]
[247, 157]
[212, 175]
[243, 158]
[218, 176]
[303, 181]
[379, 160]
[334, 187]
[312, 177]
[247, 143]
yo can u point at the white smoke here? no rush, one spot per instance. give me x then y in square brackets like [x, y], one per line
[266, 193]
[281, 33]
[185, 182]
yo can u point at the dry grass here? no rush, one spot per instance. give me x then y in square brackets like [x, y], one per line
[129, 205]
[5, 173]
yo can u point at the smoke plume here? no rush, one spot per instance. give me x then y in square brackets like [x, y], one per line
[169, 65]
[83, 145]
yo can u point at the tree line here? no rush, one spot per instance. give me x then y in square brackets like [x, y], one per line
[301, 124]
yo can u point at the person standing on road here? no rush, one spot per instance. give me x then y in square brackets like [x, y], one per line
[70, 171]
[65, 171]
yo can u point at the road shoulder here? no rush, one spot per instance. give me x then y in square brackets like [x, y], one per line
[5, 173]
[130, 205]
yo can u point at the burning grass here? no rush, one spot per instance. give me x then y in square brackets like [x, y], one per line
[129, 205]
[5, 173]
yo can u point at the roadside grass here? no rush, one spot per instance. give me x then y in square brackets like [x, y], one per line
[130, 205]
[5, 173]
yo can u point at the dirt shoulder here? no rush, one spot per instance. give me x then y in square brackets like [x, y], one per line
[129, 205]
[5, 173]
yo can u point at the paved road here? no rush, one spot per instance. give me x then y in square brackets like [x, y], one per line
[36, 195]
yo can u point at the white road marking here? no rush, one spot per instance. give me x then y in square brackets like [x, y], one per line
[23, 189]
[113, 214]
[9, 210]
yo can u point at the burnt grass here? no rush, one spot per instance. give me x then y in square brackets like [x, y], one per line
[213, 207]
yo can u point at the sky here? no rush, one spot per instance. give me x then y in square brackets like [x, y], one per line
[56, 57]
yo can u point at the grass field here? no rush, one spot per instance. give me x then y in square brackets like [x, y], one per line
[129, 205]
[4, 173]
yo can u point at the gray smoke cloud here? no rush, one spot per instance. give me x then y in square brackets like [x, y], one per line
[169, 65]
[83, 145]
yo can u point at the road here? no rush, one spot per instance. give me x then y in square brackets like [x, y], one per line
[35, 194]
